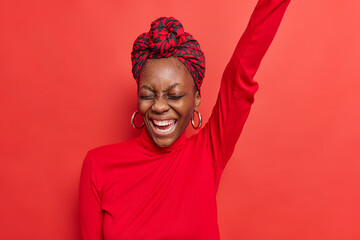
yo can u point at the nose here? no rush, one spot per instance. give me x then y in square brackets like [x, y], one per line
[160, 105]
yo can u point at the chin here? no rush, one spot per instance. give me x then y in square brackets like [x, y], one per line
[163, 142]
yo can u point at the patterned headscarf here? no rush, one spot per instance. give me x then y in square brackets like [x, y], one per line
[167, 38]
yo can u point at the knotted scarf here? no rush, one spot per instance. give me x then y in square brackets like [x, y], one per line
[167, 38]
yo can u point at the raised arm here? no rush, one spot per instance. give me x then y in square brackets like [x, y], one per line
[91, 216]
[237, 89]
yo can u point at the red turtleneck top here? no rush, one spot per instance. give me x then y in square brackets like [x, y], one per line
[135, 190]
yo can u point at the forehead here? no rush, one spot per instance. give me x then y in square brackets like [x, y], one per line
[164, 72]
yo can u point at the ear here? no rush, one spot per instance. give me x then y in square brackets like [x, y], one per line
[197, 100]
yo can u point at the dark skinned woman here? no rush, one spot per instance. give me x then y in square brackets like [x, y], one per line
[163, 185]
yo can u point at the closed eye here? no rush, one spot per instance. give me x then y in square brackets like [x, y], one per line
[175, 97]
[147, 97]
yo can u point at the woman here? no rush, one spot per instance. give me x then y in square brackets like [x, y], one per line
[163, 185]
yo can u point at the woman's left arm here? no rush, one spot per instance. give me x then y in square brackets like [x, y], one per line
[238, 87]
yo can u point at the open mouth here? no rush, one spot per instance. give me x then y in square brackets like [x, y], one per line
[163, 127]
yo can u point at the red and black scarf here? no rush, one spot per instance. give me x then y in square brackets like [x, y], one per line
[167, 38]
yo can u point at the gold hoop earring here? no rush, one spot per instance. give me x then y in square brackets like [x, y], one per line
[133, 123]
[193, 122]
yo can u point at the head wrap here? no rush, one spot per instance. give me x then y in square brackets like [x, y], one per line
[167, 38]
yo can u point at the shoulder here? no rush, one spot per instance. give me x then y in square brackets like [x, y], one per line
[110, 152]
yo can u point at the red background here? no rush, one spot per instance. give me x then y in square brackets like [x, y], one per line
[66, 87]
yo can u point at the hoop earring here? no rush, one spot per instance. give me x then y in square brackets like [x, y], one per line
[133, 123]
[193, 122]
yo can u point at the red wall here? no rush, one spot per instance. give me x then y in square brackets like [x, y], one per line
[66, 87]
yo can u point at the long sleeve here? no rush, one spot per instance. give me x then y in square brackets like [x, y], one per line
[238, 88]
[91, 216]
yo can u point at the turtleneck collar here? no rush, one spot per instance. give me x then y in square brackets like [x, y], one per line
[148, 143]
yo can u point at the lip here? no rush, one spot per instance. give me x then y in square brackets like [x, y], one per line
[170, 122]
[161, 118]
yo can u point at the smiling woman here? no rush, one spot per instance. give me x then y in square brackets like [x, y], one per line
[167, 98]
[163, 185]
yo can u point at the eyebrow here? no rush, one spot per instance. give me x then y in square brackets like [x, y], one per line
[172, 86]
[167, 89]
[147, 87]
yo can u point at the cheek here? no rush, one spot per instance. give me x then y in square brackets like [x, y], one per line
[144, 106]
[184, 108]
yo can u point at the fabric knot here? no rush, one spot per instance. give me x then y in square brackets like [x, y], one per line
[165, 35]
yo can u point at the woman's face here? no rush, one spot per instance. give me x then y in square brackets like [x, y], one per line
[166, 99]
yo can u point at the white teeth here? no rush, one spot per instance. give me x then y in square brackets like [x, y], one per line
[169, 124]
[166, 130]
[163, 123]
